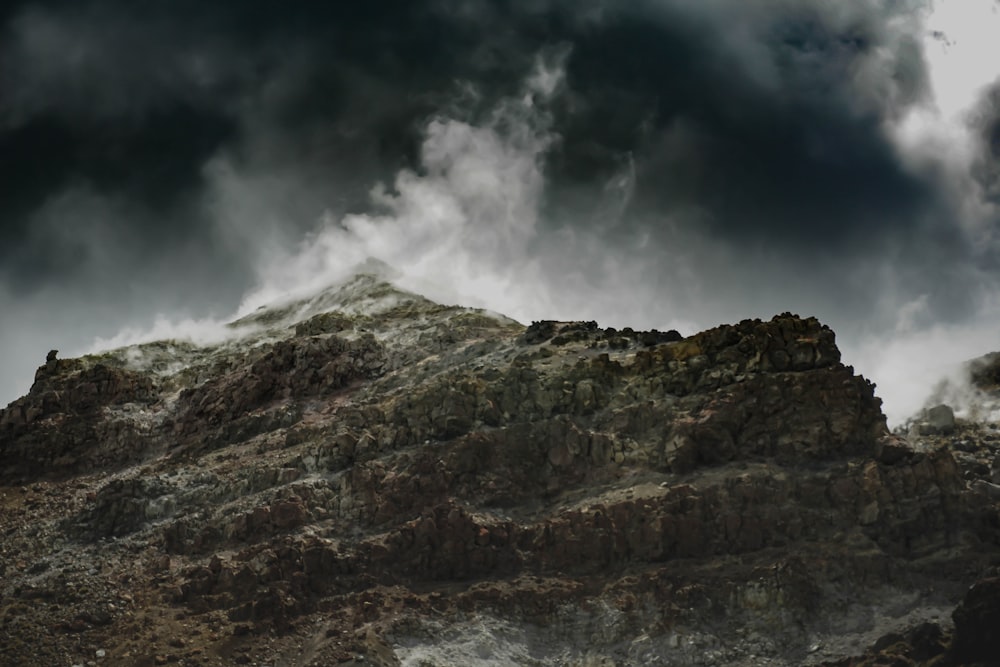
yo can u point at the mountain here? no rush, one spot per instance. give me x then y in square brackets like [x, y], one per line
[366, 477]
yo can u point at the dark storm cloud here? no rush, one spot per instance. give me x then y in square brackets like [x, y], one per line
[751, 114]
[131, 102]
[110, 113]
[986, 122]
[769, 133]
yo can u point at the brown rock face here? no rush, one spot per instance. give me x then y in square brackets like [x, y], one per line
[65, 424]
[263, 395]
[369, 476]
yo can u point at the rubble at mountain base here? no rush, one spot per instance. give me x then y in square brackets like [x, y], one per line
[367, 477]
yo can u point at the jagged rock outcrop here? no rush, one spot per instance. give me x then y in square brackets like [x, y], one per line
[79, 415]
[366, 475]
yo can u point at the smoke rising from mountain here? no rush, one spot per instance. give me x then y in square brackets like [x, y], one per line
[651, 164]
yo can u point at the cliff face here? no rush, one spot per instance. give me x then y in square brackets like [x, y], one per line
[368, 476]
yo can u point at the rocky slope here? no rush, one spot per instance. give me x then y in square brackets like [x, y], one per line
[366, 477]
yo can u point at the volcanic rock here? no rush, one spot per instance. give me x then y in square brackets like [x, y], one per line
[367, 476]
[976, 621]
[938, 420]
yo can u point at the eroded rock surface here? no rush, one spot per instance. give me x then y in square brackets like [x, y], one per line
[368, 476]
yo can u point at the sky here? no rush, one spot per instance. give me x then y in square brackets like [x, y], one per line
[168, 165]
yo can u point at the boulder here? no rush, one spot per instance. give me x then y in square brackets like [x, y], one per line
[977, 619]
[941, 419]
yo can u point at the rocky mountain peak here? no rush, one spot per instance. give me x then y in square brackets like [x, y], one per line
[365, 475]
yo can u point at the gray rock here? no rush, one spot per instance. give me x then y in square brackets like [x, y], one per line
[940, 419]
[986, 488]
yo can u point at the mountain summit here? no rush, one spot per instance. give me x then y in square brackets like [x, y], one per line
[364, 476]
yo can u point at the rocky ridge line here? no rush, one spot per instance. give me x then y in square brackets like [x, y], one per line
[367, 475]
